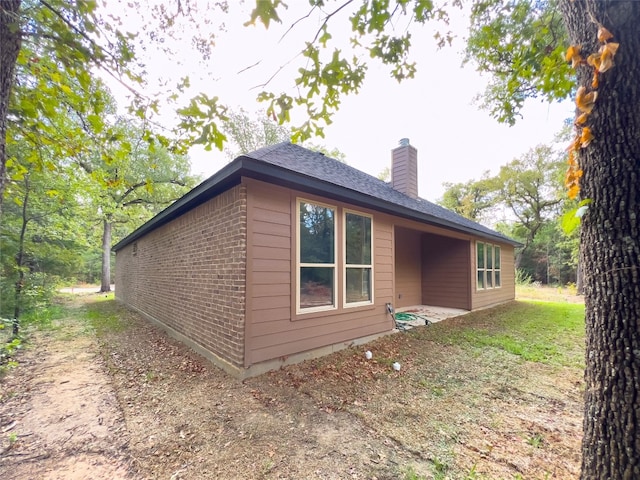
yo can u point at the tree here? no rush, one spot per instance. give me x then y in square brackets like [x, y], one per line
[530, 187]
[42, 232]
[76, 40]
[530, 190]
[552, 254]
[610, 238]
[11, 43]
[245, 134]
[60, 34]
[471, 199]
[130, 181]
[524, 42]
[79, 130]
[385, 174]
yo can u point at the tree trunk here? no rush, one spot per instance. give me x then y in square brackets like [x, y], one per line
[10, 41]
[17, 306]
[610, 241]
[105, 285]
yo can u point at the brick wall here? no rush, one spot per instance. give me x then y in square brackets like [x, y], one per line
[190, 274]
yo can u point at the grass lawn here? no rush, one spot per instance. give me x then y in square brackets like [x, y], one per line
[533, 330]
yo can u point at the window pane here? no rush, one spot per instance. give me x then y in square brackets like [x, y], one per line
[316, 287]
[489, 279]
[316, 234]
[497, 258]
[480, 249]
[480, 278]
[489, 257]
[497, 275]
[358, 239]
[358, 285]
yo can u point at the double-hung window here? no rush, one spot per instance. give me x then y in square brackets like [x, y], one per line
[488, 266]
[358, 267]
[316, 273]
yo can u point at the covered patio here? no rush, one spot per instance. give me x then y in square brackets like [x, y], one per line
[432, 273]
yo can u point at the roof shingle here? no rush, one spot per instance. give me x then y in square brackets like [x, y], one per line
[303, 169]
[318, 166]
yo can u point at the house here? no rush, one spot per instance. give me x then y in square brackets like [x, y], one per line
[286, 254]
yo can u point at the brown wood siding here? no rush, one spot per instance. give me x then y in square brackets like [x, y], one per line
[273, 330]
[408, 268]
[445, 272]
[190, 275]
[494, 296]
[404, 170]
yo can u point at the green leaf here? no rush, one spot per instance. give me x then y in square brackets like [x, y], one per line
[570, 221]
[265, 11]
[96, 123]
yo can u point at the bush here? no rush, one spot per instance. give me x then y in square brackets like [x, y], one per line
[37, 292]
[8, 344]
[523, 278]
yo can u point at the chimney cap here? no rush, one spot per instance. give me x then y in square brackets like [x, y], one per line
[404, 142]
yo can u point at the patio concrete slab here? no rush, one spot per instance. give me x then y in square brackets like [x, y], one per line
[432, 313]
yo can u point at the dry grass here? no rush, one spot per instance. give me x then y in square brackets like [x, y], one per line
[548, 294]
[464, 404]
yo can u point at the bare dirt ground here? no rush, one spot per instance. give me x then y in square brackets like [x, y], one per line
[136, 404]
[59, 415]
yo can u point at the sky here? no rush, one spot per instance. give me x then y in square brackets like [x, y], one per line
[455, 139]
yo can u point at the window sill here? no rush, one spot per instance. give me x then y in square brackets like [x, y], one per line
[331, 313]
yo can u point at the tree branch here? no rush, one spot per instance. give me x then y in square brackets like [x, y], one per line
[135, 186]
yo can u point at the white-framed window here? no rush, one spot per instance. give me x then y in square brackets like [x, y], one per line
[316, 256]
[488, 266]
[358, 259]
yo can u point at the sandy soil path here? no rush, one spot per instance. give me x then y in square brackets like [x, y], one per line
[59, 416]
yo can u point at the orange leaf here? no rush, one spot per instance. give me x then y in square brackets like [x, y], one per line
[573, 191]
[573, 54]
[611, 47]
[605, 64]
[582, 118]
[594, 60]
[571, 51]
[575, 145]
[585, 101]
[607, 51]
[586, 137]
[604, 34]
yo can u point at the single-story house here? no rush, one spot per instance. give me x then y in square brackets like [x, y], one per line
[285, 254]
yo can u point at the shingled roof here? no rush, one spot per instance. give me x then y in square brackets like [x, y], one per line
[294, 166]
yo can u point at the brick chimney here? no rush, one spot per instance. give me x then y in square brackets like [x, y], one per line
[404, 168]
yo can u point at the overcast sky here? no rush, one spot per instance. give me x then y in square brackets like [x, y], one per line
[456, 141]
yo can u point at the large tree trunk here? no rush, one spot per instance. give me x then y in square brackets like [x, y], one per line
[610, 242]
[10, 43]
[105, 284]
